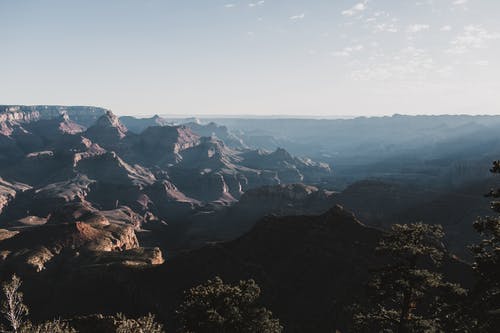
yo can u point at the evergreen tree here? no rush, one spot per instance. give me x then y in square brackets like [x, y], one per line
[487, 264]
[409, 294]
[219, 307]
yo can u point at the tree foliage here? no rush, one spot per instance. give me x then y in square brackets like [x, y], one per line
[16, 312]
[487, 263]
[409, 294]
[53, 326]
[219, 307]
[13, 308]
[145, 324]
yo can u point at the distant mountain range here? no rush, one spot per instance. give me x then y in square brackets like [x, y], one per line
[175, 175]
[421, 149]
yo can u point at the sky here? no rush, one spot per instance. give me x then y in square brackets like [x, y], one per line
[239, 57]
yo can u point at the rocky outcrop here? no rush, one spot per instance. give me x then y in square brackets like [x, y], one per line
[85, 212]
[37, 246]
[290, 169]
[110, 168]
[108, 131]
[83, 148]
[75, 189]
[133, 258]
[76, 234]
[40, 202]
[162, 146]
[228, 173]
[8, 192]
[209, 154]
[6, 234]
[50, 129]
[12, 115]
[220, 132]
[138, 125]
[293, 193]
[73, 212]
[169, 202]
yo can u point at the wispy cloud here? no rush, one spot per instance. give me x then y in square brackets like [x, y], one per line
[381, 21]
[347, 51]
[256, 4]
[472, 37]
[297, 17]
[460, 4]
[409, 63]
[385, 27]
[416, 28]
[357, 8]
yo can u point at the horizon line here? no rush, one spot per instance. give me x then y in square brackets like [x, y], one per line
[253, 116]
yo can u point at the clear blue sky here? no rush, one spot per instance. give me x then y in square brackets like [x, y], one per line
[280, 57]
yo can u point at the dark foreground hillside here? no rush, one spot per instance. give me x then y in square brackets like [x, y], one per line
[310, 268]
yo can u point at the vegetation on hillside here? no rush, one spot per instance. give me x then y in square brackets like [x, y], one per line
[219, 307]
[408, 293]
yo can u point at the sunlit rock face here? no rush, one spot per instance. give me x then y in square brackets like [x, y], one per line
[21, 114]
